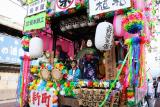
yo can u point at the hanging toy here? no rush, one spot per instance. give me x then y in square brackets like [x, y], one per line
[25, 42]
[133, 21]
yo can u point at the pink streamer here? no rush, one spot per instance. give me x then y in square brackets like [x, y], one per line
[25, 78]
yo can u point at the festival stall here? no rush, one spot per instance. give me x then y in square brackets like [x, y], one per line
[85, 53]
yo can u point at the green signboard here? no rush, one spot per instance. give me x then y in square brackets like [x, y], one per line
[37, 21]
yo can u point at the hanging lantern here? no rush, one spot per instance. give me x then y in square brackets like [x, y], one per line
[36, 47]
[25, 42]
[104, 36]
[117, 25]
[133, 21]
[138, 4]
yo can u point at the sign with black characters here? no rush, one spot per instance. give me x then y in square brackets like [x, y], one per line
[102, 6]
[35, 22]
[36, 7]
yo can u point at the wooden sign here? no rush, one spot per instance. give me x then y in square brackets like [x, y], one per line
[110, 64]
[93, 97]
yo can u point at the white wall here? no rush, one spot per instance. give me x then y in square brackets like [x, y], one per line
[13, 12]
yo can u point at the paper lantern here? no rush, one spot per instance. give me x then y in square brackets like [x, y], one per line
[117, 25]
[139, 4]
[104, 36]
[36, 47]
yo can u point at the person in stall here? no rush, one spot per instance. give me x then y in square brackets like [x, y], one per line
[89, 62]
[62, 56]
[74, 73]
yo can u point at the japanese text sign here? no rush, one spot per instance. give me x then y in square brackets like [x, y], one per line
[102, 6]
[35, 22]
[36, 7]
[41, 99]
[10, 49]
[62, 5]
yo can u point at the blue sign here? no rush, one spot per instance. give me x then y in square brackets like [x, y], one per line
[10, 49]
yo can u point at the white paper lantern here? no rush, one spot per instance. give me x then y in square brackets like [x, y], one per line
[104, 36]
[36, 47]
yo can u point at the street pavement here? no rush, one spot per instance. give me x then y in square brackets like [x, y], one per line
[157, 103]
[8, 103]
[13, 104]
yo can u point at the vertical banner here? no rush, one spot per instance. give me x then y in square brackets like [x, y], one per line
[26, 63]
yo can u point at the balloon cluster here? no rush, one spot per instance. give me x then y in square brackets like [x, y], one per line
[25, 42]
[133, 21]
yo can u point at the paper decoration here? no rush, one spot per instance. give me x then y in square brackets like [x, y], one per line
[37, 21]
[25, 42]
[36, 47]
[133, 21]
[104, 36]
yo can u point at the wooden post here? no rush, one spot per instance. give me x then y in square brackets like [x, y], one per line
[110, 64]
